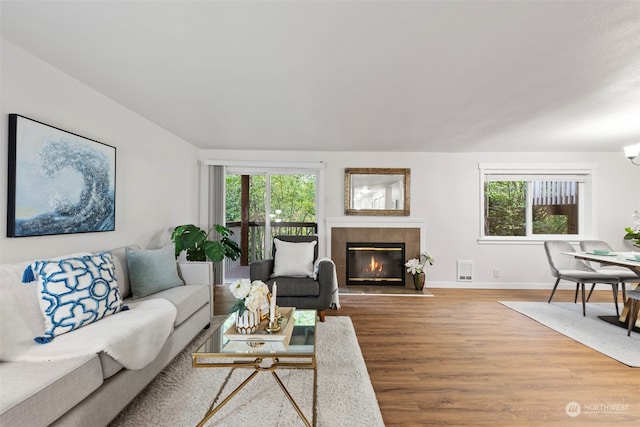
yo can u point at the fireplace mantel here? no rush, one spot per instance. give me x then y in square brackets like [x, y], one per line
[376, 222]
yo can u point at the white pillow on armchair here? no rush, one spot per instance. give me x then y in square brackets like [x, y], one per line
[293, 259]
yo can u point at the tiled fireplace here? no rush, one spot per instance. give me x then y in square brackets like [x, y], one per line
[340, 232]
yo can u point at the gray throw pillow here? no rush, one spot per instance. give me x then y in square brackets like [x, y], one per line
[152, 270]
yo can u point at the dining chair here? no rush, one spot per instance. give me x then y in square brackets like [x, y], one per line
[567, 267]
[624, 274]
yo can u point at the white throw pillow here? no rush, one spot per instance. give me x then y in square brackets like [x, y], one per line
[74, 292]
[293, 258]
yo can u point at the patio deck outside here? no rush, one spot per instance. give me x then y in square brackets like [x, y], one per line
[256, 249]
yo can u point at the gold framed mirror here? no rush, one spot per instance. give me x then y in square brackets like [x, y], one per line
[377, 191]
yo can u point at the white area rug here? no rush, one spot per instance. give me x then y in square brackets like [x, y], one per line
[601, 336]
[181, 394]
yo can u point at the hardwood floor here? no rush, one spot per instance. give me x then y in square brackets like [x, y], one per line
[463, 359]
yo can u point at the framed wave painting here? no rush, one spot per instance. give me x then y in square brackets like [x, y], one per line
[59, 182]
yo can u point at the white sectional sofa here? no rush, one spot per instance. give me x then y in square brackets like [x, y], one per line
[91, 389]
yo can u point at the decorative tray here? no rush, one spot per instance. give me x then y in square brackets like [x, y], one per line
[286, 328]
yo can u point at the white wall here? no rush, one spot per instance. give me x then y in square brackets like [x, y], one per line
[445, 191]
[157, 181]
[156, 172]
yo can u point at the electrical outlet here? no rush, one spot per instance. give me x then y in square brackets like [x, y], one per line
[496, 272]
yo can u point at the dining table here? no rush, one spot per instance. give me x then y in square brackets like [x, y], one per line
[621, 259]
[629, 260]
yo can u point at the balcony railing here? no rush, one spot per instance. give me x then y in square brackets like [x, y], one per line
[256, 248]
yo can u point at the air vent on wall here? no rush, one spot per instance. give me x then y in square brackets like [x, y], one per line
[465, 270]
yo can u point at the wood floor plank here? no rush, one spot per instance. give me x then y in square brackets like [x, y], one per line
[461, 358]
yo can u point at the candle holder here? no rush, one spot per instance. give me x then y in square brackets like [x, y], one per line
[273, 327]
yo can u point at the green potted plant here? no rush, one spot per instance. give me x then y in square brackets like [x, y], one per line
[633, 232]
[199, 245]
[633, 235]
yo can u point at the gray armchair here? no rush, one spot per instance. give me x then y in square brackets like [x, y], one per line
[299, 292]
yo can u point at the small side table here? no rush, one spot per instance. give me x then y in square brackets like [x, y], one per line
[633, 296]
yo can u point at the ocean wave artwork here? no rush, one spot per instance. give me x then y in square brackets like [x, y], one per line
[63, 183]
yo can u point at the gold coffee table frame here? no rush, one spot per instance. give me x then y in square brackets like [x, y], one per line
[297, 356]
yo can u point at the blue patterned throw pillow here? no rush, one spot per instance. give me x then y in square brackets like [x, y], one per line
[74, 292]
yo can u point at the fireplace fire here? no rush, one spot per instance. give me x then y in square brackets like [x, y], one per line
[375, 263]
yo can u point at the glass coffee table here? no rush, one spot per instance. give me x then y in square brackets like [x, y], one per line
[261, 352]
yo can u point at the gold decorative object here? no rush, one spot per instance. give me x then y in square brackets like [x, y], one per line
[273, 327]
[362, 184]
[280, 332]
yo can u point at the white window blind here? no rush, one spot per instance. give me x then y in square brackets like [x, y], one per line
[492, 177]
[554, 192]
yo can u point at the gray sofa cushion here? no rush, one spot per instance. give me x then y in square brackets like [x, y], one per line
[110, 366]
[295, 286]
[41, 392]
[187, 299]
[116, 392]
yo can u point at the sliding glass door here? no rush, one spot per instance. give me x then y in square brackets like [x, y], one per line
[263, 204]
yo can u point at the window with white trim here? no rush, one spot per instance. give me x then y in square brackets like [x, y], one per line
[536, 202]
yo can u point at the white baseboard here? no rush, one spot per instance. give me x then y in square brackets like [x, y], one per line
[493, 285]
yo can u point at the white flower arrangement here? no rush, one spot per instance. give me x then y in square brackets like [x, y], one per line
[417, 266]
[250, 295]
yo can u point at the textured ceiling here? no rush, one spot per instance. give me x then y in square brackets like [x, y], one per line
[355, 75]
